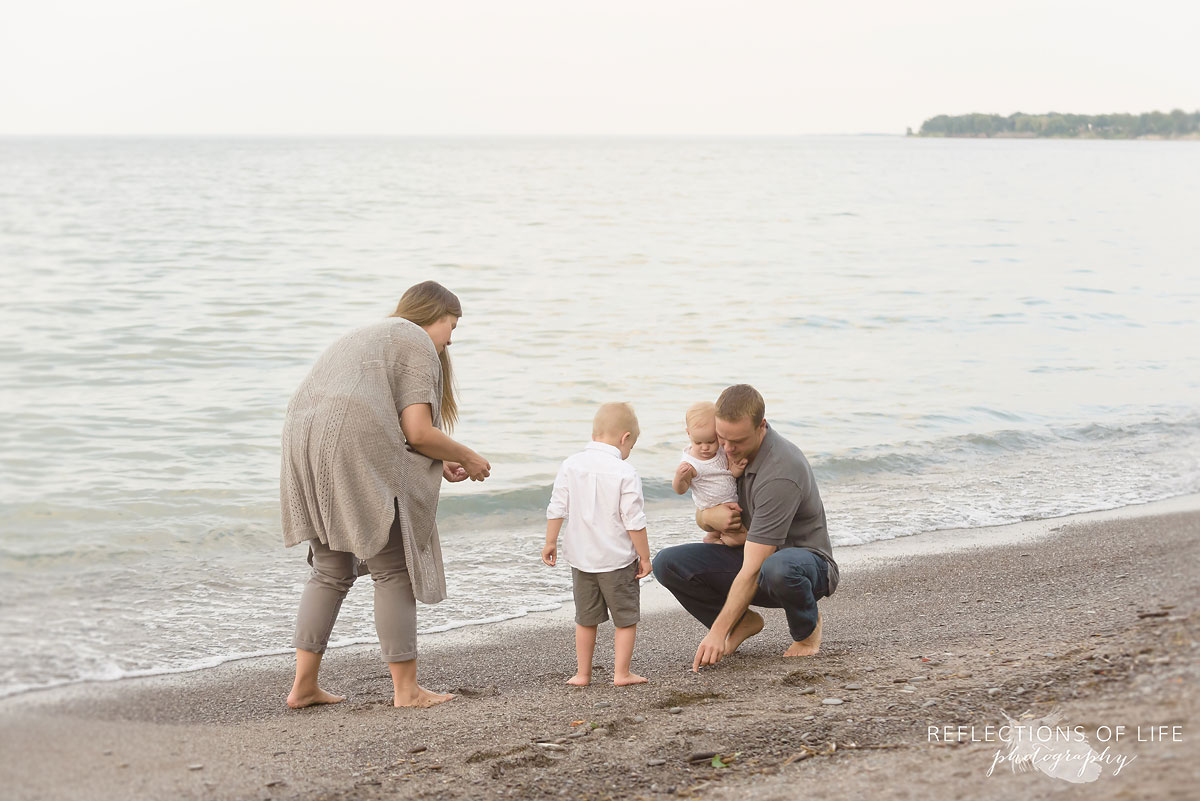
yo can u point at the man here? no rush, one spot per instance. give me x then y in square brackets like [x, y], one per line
[787, 561]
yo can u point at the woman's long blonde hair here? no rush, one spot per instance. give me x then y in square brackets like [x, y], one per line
[424, 304]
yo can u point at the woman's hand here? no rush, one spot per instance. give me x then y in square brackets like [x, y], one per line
[454, 472]
[476, 467]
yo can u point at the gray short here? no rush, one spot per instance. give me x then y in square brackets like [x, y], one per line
[596, 594]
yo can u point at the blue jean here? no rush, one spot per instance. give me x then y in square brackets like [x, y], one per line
[699, 575]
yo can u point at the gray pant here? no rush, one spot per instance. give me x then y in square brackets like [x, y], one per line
[395, 606]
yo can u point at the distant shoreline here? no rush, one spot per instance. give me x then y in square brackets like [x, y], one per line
[1154, 125]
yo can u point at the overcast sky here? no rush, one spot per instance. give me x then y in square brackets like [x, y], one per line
[574, 67]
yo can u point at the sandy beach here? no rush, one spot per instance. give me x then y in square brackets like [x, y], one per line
[1092, 617]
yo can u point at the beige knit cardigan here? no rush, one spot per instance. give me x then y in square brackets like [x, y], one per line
[344, 456]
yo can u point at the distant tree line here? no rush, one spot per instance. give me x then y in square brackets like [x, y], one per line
[1158, 124]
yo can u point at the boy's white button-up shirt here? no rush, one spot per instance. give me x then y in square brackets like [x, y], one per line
[600, 496]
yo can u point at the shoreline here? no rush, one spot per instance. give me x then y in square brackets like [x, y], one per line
[1090, 616]
[656, 599]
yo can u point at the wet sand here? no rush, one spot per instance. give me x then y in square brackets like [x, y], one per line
[1093, 616]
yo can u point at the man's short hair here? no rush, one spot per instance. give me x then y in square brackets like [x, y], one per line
[614, 419]
[739, 402]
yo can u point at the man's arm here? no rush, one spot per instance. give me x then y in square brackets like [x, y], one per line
[725, 518]
[712, 647]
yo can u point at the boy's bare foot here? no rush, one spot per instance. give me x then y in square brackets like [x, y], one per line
[298, 699]
[421, 699]
[750, 624]
[809, 646]
[627, 679]
[579, 680]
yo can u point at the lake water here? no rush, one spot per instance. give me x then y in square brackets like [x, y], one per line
[958, 333]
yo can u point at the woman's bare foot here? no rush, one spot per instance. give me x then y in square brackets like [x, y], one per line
[809, 646]
[627, 679]
[579, 680]
[298, 699]
[750, 624]
[421, 699]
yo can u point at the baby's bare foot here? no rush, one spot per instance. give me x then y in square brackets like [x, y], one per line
[421, 699]
[298, 699]
[627, 679]
[579, 680]
[750, 624]
[809, 646]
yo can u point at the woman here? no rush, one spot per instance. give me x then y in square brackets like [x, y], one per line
[363, 460]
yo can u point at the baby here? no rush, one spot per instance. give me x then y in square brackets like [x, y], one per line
[706, 471]
[599, 496]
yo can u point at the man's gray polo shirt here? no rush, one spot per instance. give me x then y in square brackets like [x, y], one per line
[780, 502]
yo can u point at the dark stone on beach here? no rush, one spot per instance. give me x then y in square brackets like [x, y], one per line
[654, 763]
[702, 756]
[195, 767]
[675, 710]
[416, 749]
[276, 783]
[899, 681]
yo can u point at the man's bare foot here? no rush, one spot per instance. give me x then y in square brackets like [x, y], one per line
[579, 680]
[298, 699]
[809, 646]
[627, 679]
[421, 699]
[750, 624]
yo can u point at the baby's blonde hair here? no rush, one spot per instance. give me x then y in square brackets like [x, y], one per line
[614, 419]
[700, 413]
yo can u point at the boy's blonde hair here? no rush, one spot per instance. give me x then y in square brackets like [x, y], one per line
[614, 419]
[700, 413]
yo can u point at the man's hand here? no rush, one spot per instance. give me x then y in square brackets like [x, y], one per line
[550, 554]
[711, 649]
[454, 472]
[725, 518]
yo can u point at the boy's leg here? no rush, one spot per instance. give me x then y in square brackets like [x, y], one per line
[623, 640]
[795, 579]
[590, 612]
[585, 649]
[622, 593]
[332, 576]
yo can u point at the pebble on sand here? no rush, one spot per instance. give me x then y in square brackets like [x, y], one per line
[832, 701]
[416, 749]
[654, 763]
[853, 687]
[676, 710]
[195, 767]
[806, 690]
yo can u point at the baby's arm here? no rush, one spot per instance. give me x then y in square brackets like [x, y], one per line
[683, 478]
[737, 467]
[550, 551]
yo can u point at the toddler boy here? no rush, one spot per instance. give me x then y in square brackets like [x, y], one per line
[597, 496]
